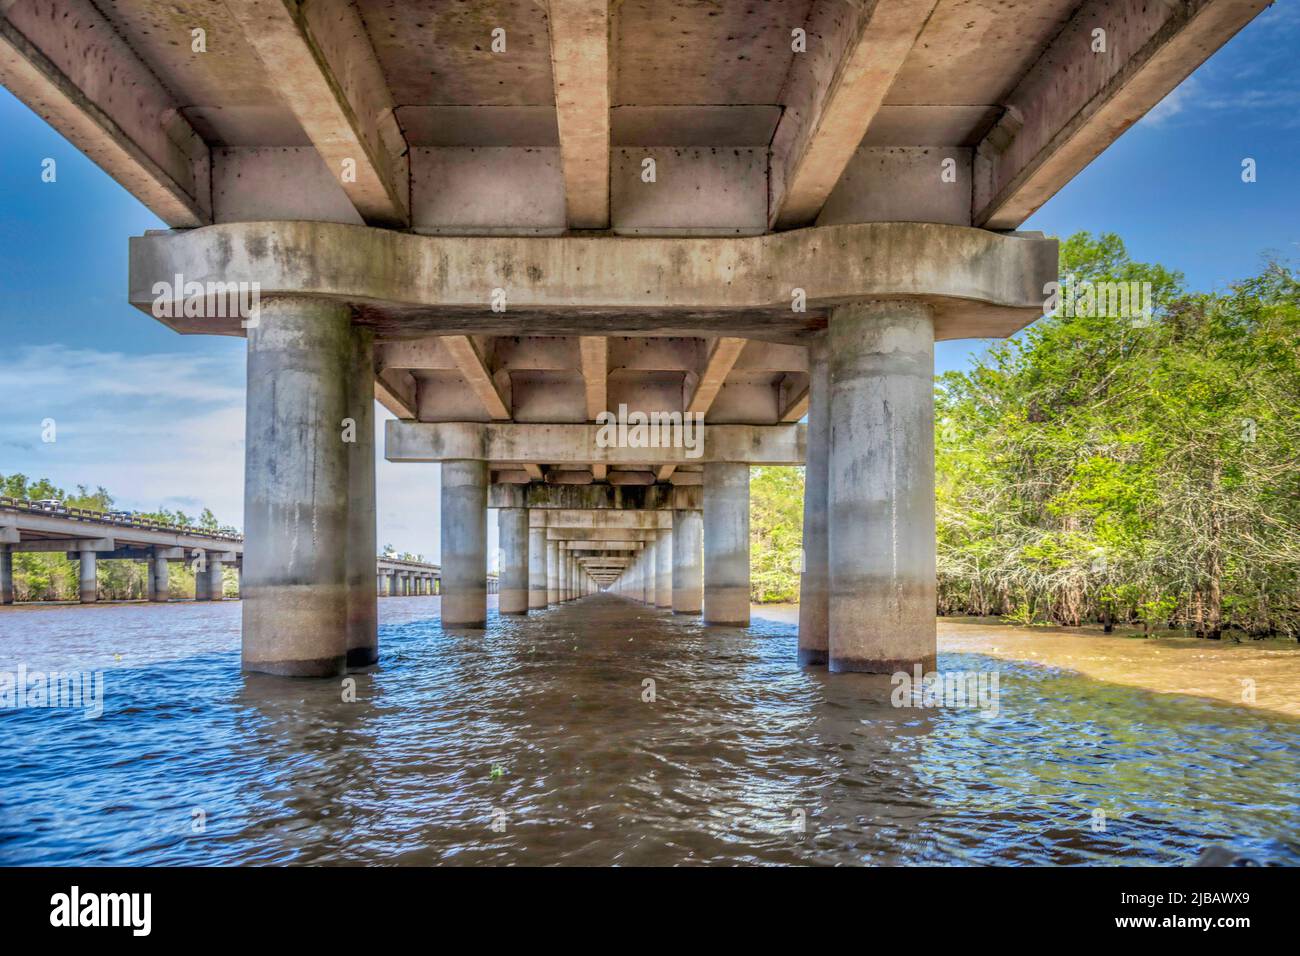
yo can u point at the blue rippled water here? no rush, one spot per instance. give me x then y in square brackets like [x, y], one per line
[533, 743]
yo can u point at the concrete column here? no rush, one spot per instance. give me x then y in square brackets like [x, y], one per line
[553, 572]
[209, 581]
[650, 584]
[159, 589]
[664, 569]
[296, 489]
[536, 568]
[512, 527]
[564, 576]
[6, 575]
[87, 580]
[362, 540]
[881, 488]
[726, 543]
[814, 581]
[688, 582]
[380, 584]
[464, 543]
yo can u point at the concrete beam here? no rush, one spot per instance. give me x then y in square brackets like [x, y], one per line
[832, 94]
[330, 79]
[717, 366]
[397, 391]
[469, 360]
[1075, 102]
[543, 500]
[577, 444]
[67, 63]
[580, 66]
[792, 399]
[594, 355]
[980, 284]
[573, 523]
[67, 545]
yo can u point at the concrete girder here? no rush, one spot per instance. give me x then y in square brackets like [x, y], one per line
[469, 361]
[542, 500]
[68, 545]
[596, 521]
[832, 94]
[580, 63]
[979, 283]
[717, 366]
[579, 444]
[1074, 101]
[328, 76]
[67, 63]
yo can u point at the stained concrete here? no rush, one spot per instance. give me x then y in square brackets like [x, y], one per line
[726, 543]
[881, 523]
[464, 544]
[296, 482]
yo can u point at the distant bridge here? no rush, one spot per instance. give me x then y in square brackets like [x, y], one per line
[91, 536]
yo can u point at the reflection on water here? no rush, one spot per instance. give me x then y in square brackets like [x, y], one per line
[532, 743]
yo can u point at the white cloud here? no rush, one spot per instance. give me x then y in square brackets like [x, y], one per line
[167, 430]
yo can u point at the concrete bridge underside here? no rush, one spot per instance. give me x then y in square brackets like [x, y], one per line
[506, 220]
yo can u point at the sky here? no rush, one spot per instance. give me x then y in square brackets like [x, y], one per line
[158, 418]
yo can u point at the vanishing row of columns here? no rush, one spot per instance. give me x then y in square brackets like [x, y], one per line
[867, 585]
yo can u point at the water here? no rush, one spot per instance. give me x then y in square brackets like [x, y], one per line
[530, 743]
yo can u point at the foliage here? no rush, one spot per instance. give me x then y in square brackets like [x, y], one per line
[1098, 468]
[52, 576]
[775, 533]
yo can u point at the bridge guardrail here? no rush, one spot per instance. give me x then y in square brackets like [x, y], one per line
[33, 507]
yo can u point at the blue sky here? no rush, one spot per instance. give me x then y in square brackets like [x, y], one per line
[157, 418]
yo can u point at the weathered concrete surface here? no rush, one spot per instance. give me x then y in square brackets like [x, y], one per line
[688, 556]
[814, 582]
[537, 553]
[726, 543]
[881, 523]
[209, 584]
[463, 531]
[509, 442]
[512, 536]
[6, 575]
[552, 572]
[87, 582]
[296, 481]
[664, 569]
[363, 604]
[981, 284]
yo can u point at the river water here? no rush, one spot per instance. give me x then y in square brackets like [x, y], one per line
[538, 741]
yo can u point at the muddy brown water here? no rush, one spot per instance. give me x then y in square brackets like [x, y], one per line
[538, 741]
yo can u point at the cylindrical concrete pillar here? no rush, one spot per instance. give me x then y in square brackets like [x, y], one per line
[6, 575]
[380, 584]
[210, 581]
[566, 571]
[362, 541]
[814, 581]
[160, 588]
[881, 487]
[688, 543]
[536, 568]
[553, 572]
[464, 543]
[726, 543]
[512, 534]
[664, 569]
[296, 488]
[87, 580]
